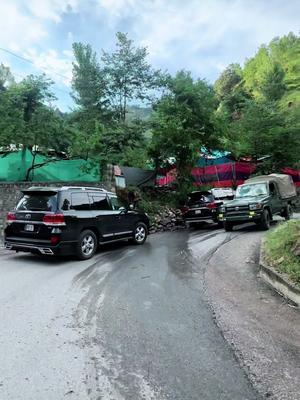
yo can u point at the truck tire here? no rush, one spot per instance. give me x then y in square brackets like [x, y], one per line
[288, 212]
[265, 220]
[228, 226]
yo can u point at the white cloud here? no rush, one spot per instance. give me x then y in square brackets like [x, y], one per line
[49, 9]
[17, 29]
[186, 31]
[199, 35]
[54, 65]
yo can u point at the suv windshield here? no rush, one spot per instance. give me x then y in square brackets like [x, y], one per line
[253, 190]
[37, 202]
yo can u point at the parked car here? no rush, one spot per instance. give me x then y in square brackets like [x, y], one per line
[204, 205]
[71, 220]
[258, 200]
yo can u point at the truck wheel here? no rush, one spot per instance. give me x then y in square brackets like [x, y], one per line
[265, 220]
[228, 226]
[288, 213]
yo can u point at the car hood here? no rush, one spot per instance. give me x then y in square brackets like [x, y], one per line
[247, 200]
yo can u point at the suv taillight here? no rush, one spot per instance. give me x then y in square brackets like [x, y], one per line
[212, 205]
[54, 219]
[184, 209]
[11, 217]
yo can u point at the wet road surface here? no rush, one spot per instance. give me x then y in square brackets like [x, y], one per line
[135, 322]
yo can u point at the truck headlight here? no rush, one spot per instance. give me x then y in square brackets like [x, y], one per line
[222, 209]
[256, 206]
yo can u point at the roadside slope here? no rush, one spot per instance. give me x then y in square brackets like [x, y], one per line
[260, 325]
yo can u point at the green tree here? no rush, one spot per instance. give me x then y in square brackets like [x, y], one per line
[184, 122]
[128, 75]
[88, 83]
[264, 76]
[6, 77]
[231, 93]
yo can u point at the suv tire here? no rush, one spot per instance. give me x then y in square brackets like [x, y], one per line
[228, 226]
[86, 245]
[265, 220]
[140, 233]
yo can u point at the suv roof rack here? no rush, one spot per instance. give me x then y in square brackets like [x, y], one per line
[83, 188]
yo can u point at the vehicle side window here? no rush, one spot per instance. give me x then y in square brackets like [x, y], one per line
[80, 201]
[272, 188]
[116, 204]
[100, 202]
[64, 201]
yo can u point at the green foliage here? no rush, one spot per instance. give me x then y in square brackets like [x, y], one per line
[279, 245]
[103, 91]
[88, 84]
[27, 120]
[6, 77]
[183, 122]
[229, 79]
[128, 75]
[259, 105]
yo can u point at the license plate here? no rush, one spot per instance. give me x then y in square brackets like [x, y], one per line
[198, 212]
[29, 227]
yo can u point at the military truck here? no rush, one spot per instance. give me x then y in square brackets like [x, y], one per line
[258, 200]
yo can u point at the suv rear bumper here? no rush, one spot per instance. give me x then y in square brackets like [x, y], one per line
[62, 248]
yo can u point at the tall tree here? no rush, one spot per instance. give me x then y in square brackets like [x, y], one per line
[231, 93]
[184, 121]
[128, 75]
[88, 84]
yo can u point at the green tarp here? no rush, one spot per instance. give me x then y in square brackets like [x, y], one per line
[14, 167]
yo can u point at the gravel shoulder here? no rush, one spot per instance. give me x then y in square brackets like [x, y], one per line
[260, 325]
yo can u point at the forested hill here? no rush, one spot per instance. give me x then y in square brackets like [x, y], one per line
[127, 112]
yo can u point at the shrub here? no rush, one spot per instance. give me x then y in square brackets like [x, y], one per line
[282, 246]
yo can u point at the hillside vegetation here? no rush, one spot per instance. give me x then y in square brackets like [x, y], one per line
[129, 113]
[283, 249]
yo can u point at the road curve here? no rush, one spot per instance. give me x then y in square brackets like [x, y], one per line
[133, 323]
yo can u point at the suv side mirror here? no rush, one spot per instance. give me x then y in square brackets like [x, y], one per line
[123, 210]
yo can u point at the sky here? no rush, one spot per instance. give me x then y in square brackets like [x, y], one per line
[201, 36]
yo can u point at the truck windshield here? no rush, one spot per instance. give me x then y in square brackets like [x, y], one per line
[253, 190]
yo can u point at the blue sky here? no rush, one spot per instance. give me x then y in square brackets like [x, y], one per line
[202, 36]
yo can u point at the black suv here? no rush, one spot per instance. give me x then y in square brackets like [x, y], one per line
[204, 205]
[71, 220]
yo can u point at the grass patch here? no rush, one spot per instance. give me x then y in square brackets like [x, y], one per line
[280, 247]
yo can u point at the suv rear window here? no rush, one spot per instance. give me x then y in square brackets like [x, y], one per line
[37, 202]
[195, 198]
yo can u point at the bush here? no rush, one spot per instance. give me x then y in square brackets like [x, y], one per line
[282, 246]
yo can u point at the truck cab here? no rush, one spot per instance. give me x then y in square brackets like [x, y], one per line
[258, 200]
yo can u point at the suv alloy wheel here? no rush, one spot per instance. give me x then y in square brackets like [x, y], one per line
[87, 245]
[140, 233]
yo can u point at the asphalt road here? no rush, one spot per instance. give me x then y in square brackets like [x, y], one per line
[135, 323]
